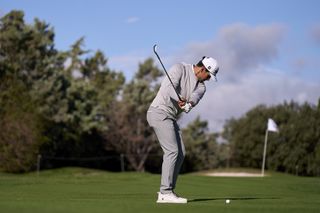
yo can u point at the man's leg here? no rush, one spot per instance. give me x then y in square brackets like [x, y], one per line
[170, 141]
[181, 154]
[169, 138]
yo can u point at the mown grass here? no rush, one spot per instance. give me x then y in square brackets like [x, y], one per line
[82, 190]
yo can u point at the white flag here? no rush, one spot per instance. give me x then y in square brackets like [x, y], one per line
[272, 126]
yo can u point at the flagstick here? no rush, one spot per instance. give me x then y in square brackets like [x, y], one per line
[264, 153]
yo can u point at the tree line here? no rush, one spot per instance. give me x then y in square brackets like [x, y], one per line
[71, 105]
[295, 149]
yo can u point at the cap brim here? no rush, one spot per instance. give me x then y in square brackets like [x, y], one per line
[213, 76]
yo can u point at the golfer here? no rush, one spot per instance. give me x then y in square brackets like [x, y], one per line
[188, 81]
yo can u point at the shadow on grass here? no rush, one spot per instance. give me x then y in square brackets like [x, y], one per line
[232, 198]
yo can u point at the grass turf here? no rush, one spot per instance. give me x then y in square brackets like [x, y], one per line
[77, 190]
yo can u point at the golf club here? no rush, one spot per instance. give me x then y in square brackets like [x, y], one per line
[155, 52]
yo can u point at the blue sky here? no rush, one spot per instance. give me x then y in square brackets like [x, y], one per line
[268, 51]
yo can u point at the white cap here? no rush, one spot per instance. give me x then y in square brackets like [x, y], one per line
[211, 65]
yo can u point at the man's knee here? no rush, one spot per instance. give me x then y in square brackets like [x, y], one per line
[175, 154]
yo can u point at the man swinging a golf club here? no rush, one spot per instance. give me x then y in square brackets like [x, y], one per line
[180, 91]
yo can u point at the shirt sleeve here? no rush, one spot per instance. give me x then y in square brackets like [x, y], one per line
[198, 93]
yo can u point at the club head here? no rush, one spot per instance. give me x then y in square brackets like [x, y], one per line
[155, 47]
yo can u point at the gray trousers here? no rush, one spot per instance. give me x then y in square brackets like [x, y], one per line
[169, 136]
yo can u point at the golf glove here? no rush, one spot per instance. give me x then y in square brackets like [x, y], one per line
[187, 107]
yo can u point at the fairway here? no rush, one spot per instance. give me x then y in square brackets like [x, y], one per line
[77, 190]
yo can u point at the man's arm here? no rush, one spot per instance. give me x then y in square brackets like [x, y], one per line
[197, 94]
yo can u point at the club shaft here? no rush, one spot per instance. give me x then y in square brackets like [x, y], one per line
[155, 52]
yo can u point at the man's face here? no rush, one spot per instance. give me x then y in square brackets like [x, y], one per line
[204, 74]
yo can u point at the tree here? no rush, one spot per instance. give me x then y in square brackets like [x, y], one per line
[77, 101]
[21, 132]
[70, 95]
[201, 147]
[247, 136]
[24, 55]
[129, 132]
[25, 50]
[294, 149]
[301, 138]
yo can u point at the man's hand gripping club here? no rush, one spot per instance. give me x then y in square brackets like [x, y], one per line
[184, 105]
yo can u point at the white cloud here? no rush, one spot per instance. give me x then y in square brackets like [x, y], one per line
[132, 20]
[128, 64]
[246, 78]
[239, 48]
[224, 100]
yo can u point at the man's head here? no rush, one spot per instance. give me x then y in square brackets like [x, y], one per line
[207, 67]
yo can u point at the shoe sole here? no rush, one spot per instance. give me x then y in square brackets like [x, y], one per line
[164, 201]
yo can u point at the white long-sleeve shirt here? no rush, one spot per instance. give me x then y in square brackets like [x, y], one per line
[186, 84]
